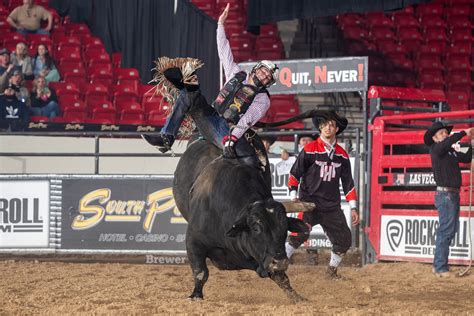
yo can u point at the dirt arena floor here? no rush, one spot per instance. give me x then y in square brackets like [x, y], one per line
[47, 287]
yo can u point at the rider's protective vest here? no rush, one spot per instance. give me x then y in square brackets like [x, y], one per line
[235, 98]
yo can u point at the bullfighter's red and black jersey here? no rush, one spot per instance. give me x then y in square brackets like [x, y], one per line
[317, 171]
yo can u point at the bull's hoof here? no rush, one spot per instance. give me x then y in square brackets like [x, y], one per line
[296, 298]
[195, 297]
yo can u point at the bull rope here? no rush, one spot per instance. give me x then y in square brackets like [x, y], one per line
[465, 271]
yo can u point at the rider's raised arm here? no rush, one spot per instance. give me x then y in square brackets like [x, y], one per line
[225, 53]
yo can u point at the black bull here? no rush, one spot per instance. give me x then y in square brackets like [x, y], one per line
[232, 217]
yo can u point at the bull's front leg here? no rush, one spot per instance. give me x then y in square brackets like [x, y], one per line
[282, 280]
[197, 259]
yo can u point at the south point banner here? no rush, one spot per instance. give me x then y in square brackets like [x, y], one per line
[121, 214]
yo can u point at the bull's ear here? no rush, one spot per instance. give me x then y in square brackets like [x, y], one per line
[239, 226]
[296, 225]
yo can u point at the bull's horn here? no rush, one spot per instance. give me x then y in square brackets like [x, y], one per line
[295, 207]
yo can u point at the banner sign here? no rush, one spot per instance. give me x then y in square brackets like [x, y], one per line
[81, 127]
[318, 75]
[24, 214]
[415, 236]
[414, 179]
[121, 214]
[280, 192]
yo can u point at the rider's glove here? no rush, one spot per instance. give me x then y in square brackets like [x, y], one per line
[229, 142]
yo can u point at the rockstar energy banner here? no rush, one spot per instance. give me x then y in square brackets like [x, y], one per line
[319, 75]
[121, 214]
[415, 237]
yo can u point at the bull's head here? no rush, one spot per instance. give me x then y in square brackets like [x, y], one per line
[262, 227]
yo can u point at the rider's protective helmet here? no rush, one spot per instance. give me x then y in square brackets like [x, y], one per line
[270, 67]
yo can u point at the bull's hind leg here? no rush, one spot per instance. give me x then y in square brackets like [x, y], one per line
[282, 280]
[197, 259]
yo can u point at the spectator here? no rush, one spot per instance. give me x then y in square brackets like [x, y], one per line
[44, 101]
[13, 113]
[6, 68]
[20, 58]
[268, 142]
[284, 166]
[21, 92]
[303, 141]
[43, 65]
[26, 19]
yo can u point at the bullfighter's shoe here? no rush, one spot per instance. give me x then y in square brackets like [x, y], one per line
[331, 272]
[163, 142]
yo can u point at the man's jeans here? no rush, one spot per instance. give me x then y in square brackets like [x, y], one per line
[447, 204]
[213, 127]
[210, 124]
[38, 31]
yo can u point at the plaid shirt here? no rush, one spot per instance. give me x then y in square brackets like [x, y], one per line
[260, 104]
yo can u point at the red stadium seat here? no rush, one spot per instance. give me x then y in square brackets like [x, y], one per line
[101, 76]
[429, 9]
[104, 110]
[405, 20]
[4, 26]
[75, 110]
[77, 28]
[92, 41]
[94, 92]
[461, 63]
[13, 37]
[435, 22]
[67, 41]
[64, 88]
[459, 83]
[39, 119]
[127, 76]
[67, 100]
[131, 111]
[73, 120]
[38, 38]
[123, 93]
[145, 91]
[105, 121]
[461, 35]
[347, 20]
[409, 37]
[68, 54]
[458, 10]
[378, 20]
[156, 118]
[241, 42]
[434, 35]
[459, 22]
[155, 103]
[460, 49]
[457, 100]
[356, 33]
[78, 76]
[430, 63]
[116, 59]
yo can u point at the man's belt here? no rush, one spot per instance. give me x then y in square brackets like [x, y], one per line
[447, 189]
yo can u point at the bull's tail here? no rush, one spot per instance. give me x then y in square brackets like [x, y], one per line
[302, 116]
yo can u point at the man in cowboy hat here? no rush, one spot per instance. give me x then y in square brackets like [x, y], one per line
[446, 155]
[317, 171]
